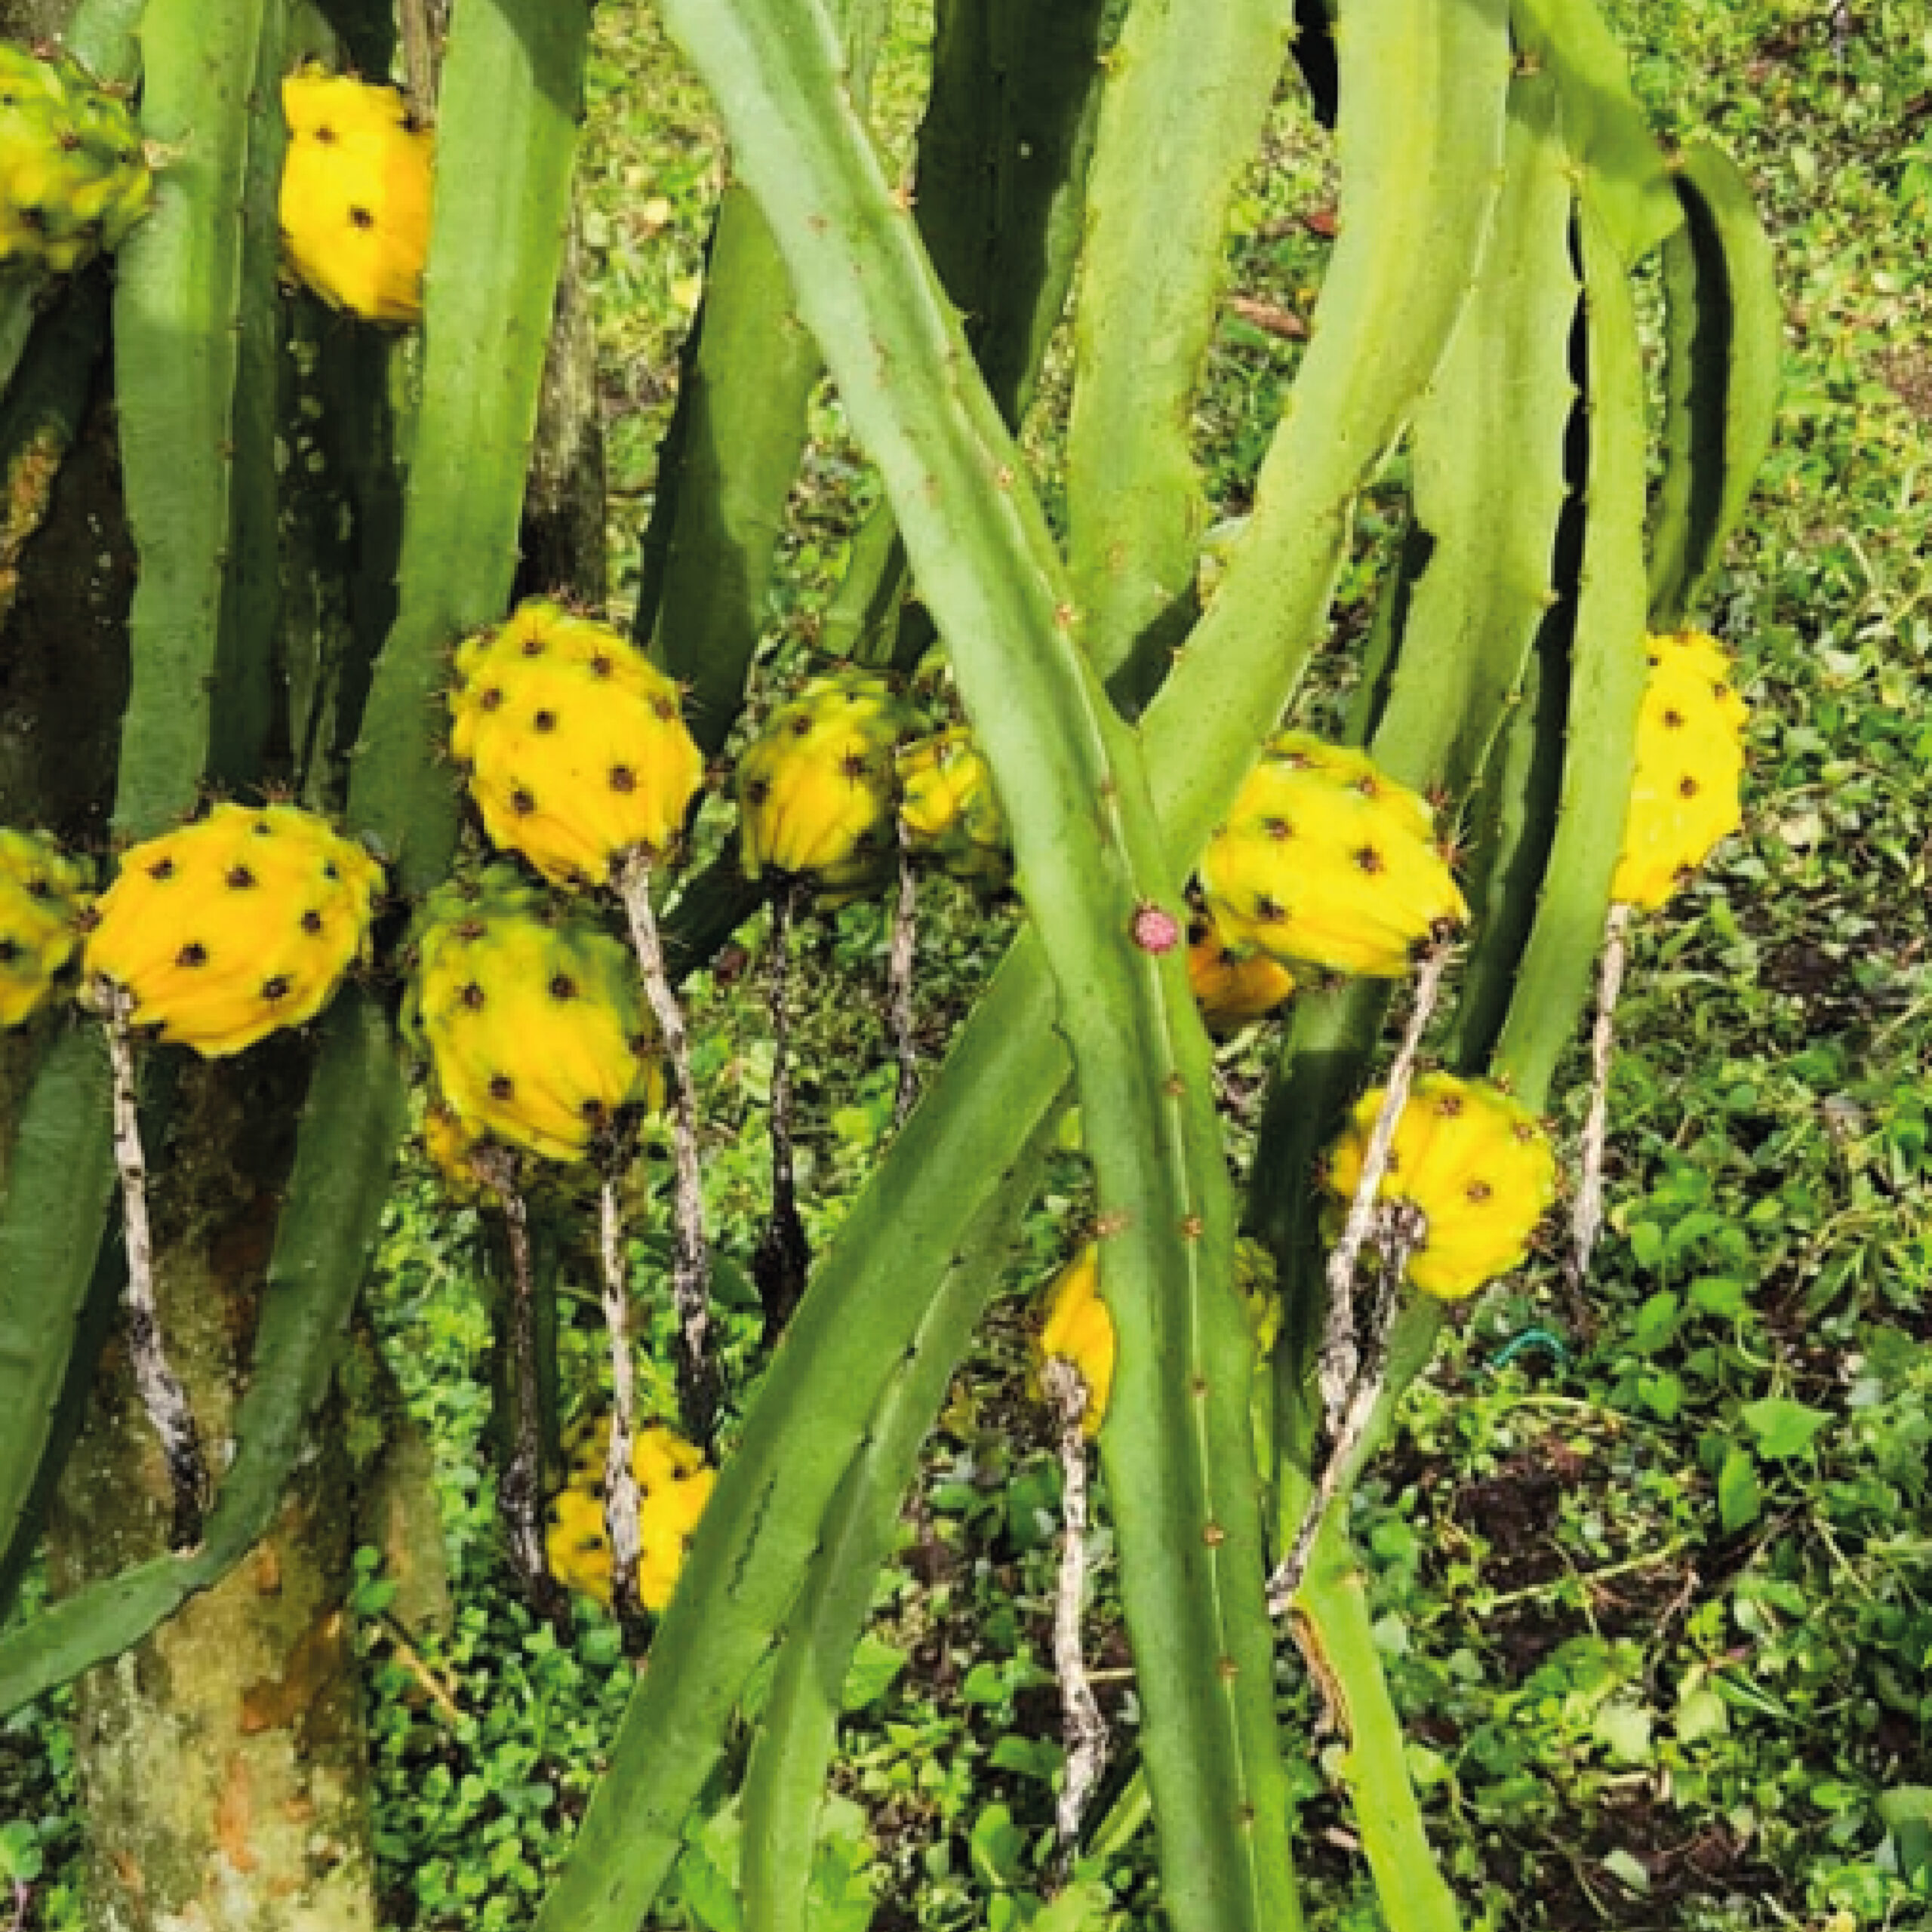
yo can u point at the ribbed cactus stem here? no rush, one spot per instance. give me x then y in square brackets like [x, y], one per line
[1396, 1231]
[1586, 1223]
[690, 1273]
[1083, 1728]
[1339, 1369]
[619, 1477]
[783, 1260]
[520, 1493]
[899, 979]
[162, 1395]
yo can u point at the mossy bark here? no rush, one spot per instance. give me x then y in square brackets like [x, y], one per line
[223, 1762]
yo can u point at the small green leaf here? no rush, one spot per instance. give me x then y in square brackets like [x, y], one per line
[1739, 1499]
[1783, 1428]
[875, 1664]
[997, 1844]
[1623, 1729]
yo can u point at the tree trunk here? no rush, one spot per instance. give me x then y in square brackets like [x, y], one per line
[223, 1762]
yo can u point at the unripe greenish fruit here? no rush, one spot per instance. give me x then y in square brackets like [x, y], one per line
[354, 198]
[43, 895]
[1690, 768]
[1474, 1163]
[532, 1021]
[227, 930]
[674, 1483]
[947, 806]
[72, 177]
[575, 743]
[817, 790]
[1324, 859]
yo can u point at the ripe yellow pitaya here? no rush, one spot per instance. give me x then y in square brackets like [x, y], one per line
[226, 930]
[43, 895]
[356, 192]
[73, 180]
[816, 792]
[1233, 986]
[1474, 1163]
[531, 1018]
[575, 743]
[947, 806]
[1075, 1327]
[674, 1484]
[1690, 768]
[1325, 860]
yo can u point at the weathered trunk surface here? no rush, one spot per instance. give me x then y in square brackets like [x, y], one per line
[223, 1762]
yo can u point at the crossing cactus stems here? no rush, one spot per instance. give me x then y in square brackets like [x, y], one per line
[1498, 185]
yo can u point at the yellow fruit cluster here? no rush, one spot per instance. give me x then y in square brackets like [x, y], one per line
[947, 806]
[1690, 768]
[532, 1023]
[1324, 860]
[72, 179]
[43, 895]
[1075, 1327]
[575, 743]
[1475, 1164]
[355, 202]
[1232, 985]
[674, 1484]
[817, 790]
[230, 928]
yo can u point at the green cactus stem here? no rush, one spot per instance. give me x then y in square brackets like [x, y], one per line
[1604, 124]
[790, 1768]
[178, 313]
[1723, 345]
[1186, 90]
[1606, 674]
[60, 1181]
[1420, 157]
[506, 136]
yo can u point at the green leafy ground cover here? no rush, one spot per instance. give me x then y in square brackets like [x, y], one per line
[1651, 1573]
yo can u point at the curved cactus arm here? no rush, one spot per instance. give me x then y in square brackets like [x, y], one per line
[798, 1729]
[1004, 159]
[350, 1130]
[1187, 88]
[1426, 86]
[1604, 685]
[725, 470]
[51, 1222]
[506, 136]
[1420, 143]
[1336, 1638]
[1092, 867]
[178, 303]
[760, 1530]
[1724, 341]
[1487, 463]
[1604, 126]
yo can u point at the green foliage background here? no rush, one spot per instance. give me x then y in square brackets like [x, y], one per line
[1651, 1576]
